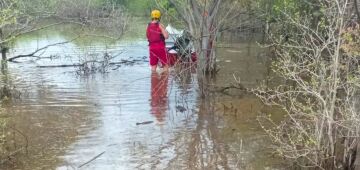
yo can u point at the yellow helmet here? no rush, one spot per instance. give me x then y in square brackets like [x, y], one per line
[155, 14]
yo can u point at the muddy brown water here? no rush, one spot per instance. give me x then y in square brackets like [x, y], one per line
[130, 118]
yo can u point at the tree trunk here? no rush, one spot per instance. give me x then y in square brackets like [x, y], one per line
[201, 18]
[3, 53]
[357, 158]
[208, 57]
[2, 46]
[356, 6]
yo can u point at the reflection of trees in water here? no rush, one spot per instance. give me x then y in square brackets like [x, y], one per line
[207, 150]
[40, 126]
[199, 141]
[210, 140]
[7, 89]
[200, 144]
[48, 131]
[183, 76]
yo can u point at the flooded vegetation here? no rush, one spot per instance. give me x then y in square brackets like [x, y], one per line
[128, 117]
[257, 84]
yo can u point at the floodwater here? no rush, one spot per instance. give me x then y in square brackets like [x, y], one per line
[129, 118]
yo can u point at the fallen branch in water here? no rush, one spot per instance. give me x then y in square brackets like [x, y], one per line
[21, 56]
[91, 61]
[62, 65]
[239, 87]
[144, 123]
[97, 156]
[70, 65]
[25, 137]
[8, 157]
[38, 50]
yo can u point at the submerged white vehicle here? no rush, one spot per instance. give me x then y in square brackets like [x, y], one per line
[179, 46]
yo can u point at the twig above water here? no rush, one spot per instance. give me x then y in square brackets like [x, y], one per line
[97, 156]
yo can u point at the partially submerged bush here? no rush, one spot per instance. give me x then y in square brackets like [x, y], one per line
[319, 94]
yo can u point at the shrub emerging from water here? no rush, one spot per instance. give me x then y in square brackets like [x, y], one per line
[318, 63]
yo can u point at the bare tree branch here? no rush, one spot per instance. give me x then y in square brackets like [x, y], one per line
[40, 49]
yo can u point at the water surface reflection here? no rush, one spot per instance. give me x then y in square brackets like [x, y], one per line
[159, 98]
[71, 120]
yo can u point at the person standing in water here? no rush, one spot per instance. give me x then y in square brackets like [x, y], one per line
[156, 35]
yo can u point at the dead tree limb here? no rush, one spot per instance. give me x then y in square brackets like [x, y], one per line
[128, 62]
[62, 65]
[25, 137]
[8, 157]
[71, 65]
[38, 50]
[91, 159]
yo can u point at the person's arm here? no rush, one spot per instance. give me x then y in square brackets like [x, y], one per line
[164, 32]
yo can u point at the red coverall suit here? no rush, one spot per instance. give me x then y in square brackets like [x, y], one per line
[156, 44]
